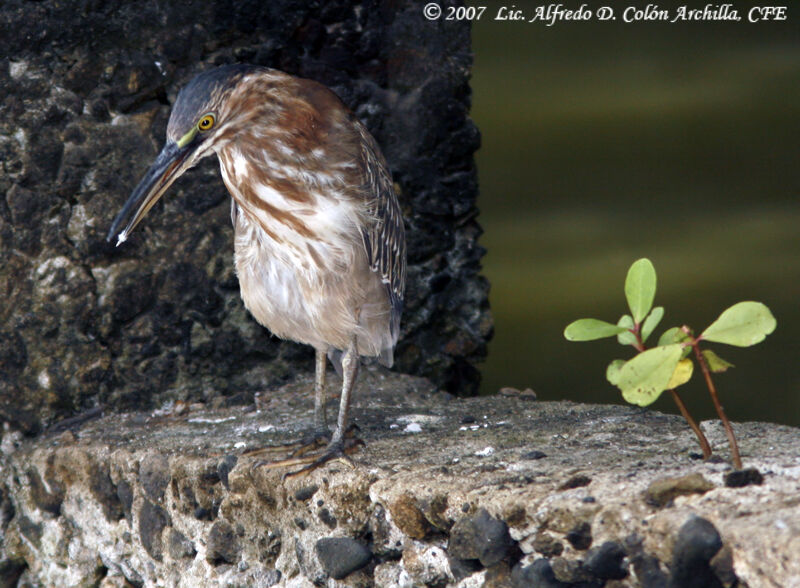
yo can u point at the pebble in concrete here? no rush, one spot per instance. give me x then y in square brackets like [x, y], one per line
[646, 566]
[698, 541]
[539, 574]
[222, 545]
[480, 537]
[152, 520]
[741, 478]
[341, 556]
[179, 546]
[580, 536]
[605, 562]
[547, 545]
[663, 492]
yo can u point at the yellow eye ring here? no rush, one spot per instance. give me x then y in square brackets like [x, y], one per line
[206, 123]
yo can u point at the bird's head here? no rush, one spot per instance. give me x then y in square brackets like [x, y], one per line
[195, 125]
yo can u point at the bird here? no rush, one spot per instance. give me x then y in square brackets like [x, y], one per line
[319, 238]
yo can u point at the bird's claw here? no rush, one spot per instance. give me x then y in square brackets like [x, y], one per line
[311, 442]
[340, 450]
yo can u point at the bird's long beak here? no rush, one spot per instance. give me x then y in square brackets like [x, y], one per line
[168, 166]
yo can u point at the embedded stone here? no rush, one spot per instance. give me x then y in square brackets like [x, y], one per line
[152, 521]
[480, 537]
[664, 491]
[547, 545]
[224, 468]
[408, 517]
[222, 546]
[539, 573]
[102, 488]
[154, 476]
[306, 492]
[698, 541]
[606, 562]
[178, 545]
[742, 478]
[341, 556]
[580, 536]
[47, 500]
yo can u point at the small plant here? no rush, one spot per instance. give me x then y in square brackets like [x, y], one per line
[651, 371]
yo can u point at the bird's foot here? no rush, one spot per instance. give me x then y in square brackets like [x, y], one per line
[314, 440]
[310, 459]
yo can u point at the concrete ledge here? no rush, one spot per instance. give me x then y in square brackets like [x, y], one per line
[499, 491]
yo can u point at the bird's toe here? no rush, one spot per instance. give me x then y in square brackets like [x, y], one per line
[311, 458]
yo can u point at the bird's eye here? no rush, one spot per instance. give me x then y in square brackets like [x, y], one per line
[206, 123]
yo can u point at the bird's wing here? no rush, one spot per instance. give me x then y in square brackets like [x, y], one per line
[384, 236]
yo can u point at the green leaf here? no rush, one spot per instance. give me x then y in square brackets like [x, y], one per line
[673, 335]
[626, 337]
[612, 371]
[715, 363]
[646, 376]
[682, 374]
[590, 329]
[640, 288]
[743, 324]
[651, 322]
[670, 336]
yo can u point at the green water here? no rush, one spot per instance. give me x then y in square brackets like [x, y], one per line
[603, 144]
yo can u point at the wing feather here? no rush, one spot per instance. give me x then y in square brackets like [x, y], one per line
[384, 235]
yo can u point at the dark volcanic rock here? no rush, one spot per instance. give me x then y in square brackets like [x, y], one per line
[222, 544]
[539, 573]
[341, 556]
[572, 572]
[154, 476]
[152, 520]
[85, 323]
[649, 572]
[179, 546]
[103, 490]
[605, 562]
[480, 537]
[306, 492]
[698, 541]
[741, 478]
[580, 536]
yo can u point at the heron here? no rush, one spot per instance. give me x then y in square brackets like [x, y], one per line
[319, 241]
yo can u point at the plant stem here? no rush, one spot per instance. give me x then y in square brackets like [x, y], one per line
[639, 345]
[737, 460]
[701, 438]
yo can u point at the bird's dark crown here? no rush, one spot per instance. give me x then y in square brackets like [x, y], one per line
[203, 94]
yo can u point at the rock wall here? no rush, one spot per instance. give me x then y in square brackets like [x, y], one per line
[497, 491]
[85, 91]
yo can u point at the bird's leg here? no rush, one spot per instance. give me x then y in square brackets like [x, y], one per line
[321, 434]
[350, 362]
[337, 447]
[340, 444]
[320, 418]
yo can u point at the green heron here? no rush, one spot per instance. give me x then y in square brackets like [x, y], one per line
[319, 241]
